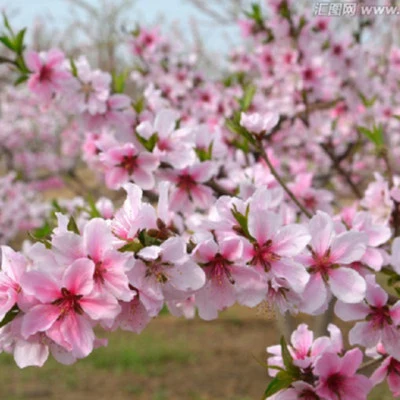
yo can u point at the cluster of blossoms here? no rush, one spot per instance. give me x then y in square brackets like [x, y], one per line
[324, 370]
[275, 184]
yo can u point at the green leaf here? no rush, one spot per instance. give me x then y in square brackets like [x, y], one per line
[93, 211]
[72, 226]
[291, 369]
[205, 154]
[9, 316]
[56, 206]
[284, 10]
[281, 381]
[20, 63]
[74, 68]
[19, 41]
[375, 134]
[7, 42]
[139, 105]
[147, 240]
[133, 247]
[367, 102]
[235, 127]
[287, 357]
[7, 24]
[149, 143]
[21, 79]
[248, 95]
[42, 232]
[44, 241]
[119, 81]
[242, 220]
[256, 14]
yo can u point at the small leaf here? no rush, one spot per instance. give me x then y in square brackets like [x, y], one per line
[287, 357]
[44, 241]
[367, 102]
[242, 220]
[235, 127]
[248, 95]
[119, 81]
[93, 211]
[21, 79]
[19, 41]
[147, 240]
[7, 24]
[281, 381]
[150, 143]
[7, 42]
[205, 154]
[42, 232]
[9, 316]
[72, 226]
[139, 105]
[133, 247]
[375, 135]
[74, 68]
[256, 13]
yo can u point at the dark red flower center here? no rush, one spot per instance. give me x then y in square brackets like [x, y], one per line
[45, 73]
[186, 182]
[129, 163]
[68, 302]
[263, 255]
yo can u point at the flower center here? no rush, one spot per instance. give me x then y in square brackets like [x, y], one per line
[322, 264]
[264, 256]
[99, 272]
[380, 317]
[45, 73]
[218, 269]
[68, 302]
[186, 182]
[129, 163]
[335, 383]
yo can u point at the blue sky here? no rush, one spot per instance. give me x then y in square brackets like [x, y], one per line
[24, 12]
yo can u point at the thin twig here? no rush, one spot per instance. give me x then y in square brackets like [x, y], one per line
[341, 170]
[370, 363]
[275, 173]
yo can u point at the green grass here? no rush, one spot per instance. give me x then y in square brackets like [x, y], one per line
[144, 354]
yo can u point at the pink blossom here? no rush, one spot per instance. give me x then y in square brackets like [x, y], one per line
[274, 247]
[49, 74]
[169, 267]
[125, 162]
[338, 378]
[173, 146]
[228, 278]
[67, 308]
[189, 188]
[96, 243]
[134, 215]
[390, 370]
[13, 266]
[326, 261]
[380, 320]
[259, 123]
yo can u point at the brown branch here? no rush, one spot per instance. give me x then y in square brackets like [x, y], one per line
[276, 175]
[221, 191]
[371, 363]
[336, 165]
